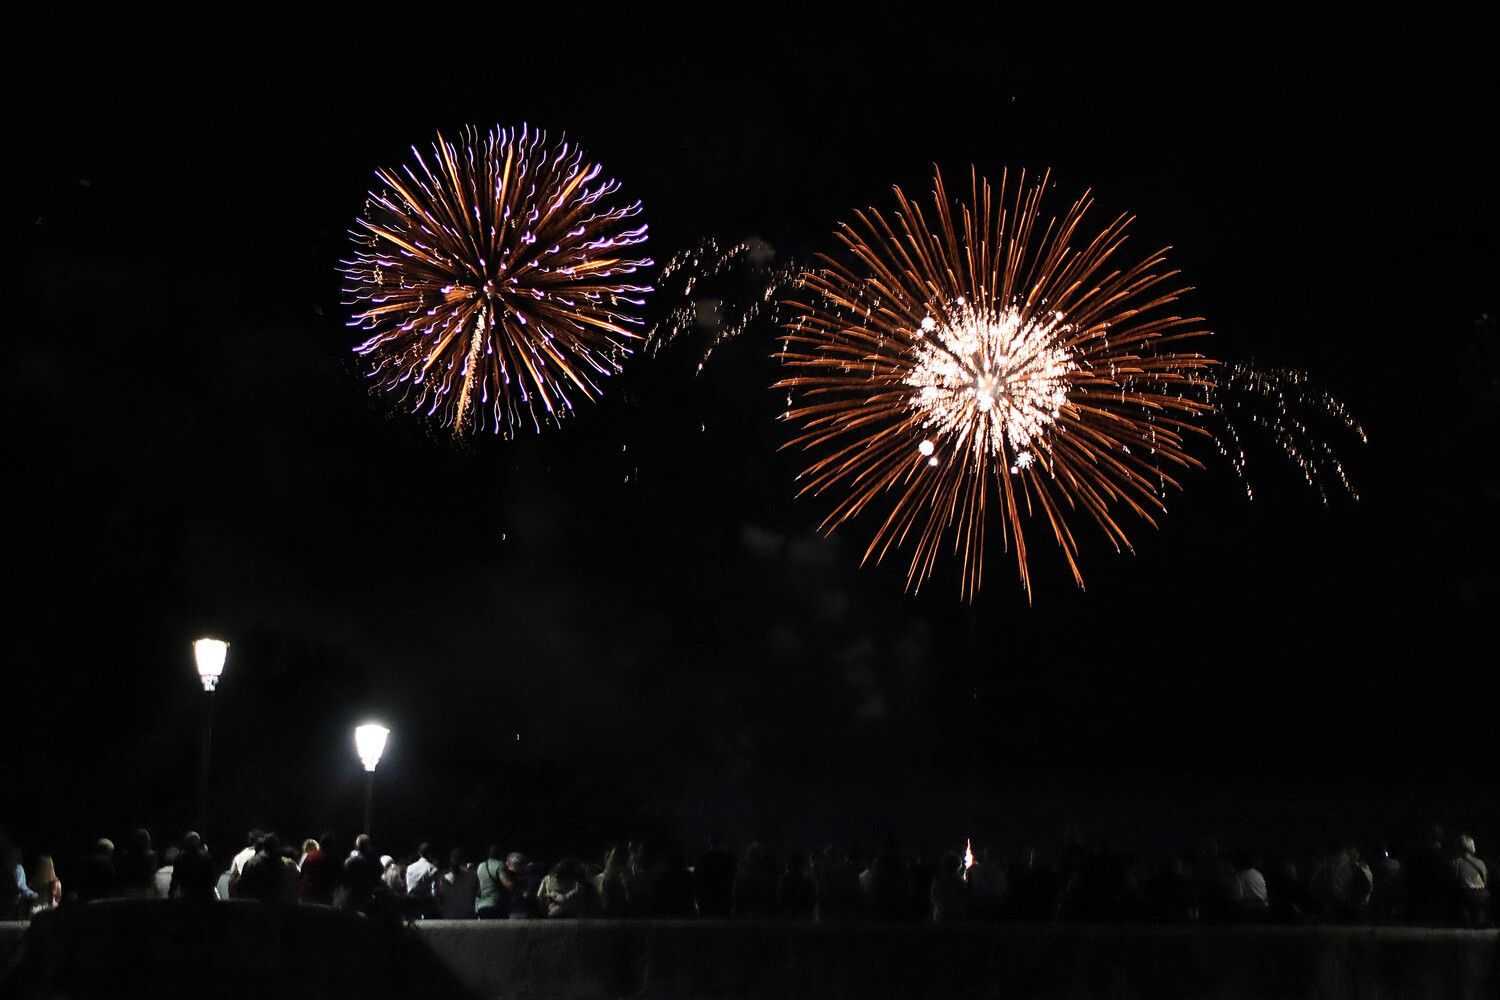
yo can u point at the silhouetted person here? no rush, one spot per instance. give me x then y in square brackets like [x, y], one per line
[1429, 881]
[1341, 886]
[887, 891]
[1251, 897]
[1471, 884]
[1173, 900]
[393, 875]
[136, 868]
[672, 886]
[420, 882]
[96, 875]
[755, 884]
[270, 876]
[922, 870]
[1213, 878]
[494, 898]
[361, 885]
[193, 874]
[1388, 899]
[522, 878]
[614, 898]
[988, 884]
[162, 881]
[1038, 890]
[421, 874]
[457, 888]
[46, 883]
[16, 896]
[796, 891]
[1286, 893]
[524, 900]
[565, 892]
[1091, 893]
[865, 865]
[837, 885]
[949, 892]
[640, 879]
[319, 877]
[237, 864]
[713, 880]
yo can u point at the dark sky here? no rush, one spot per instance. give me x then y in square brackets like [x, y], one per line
[637, 596]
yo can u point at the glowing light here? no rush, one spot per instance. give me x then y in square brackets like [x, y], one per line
[1284, 405]
[209, 655]
[926, 447]
[968, 855]
[369, 743]
[985, 379]
[491, 275]
[1047, 372]
[720, 291]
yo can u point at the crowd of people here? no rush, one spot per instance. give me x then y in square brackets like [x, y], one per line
[1440, 881]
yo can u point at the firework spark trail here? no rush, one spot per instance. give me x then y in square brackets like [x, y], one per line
[491, 277]
[994, 356]
[1283, 403]
[707, 260]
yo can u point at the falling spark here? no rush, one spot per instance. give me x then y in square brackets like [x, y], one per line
[1285, 405]
[491, 275]
[720, 291]
[995, 357]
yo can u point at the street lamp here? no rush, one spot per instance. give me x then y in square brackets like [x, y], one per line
[369, 743]
[209, 654]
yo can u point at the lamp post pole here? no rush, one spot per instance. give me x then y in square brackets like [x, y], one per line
[208, 744]
[209, 656]
[369, 743]
[369, 797]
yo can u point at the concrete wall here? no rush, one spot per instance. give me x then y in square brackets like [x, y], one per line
[665, 960]
[10, 936]
[866, 961]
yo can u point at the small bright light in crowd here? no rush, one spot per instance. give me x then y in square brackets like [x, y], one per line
[369, 741]
[968, 856]
[210, 654]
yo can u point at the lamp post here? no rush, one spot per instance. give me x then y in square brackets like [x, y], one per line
[369, 743]
[209, 654]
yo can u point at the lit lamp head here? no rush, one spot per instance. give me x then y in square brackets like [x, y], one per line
[210, 653]
[369, 742]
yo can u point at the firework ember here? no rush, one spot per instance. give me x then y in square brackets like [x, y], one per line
[994, 357]
[492, 277]
[1298, 417]
[721, 292]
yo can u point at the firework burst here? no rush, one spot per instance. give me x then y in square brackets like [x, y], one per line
[994, 357]
[492, 277]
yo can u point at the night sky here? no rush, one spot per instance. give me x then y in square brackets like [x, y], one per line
[630, 625]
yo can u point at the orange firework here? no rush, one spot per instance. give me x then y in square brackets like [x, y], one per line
[998, 356]
[489, 276]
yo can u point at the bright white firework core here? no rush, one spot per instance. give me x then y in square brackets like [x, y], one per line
[993, 381]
